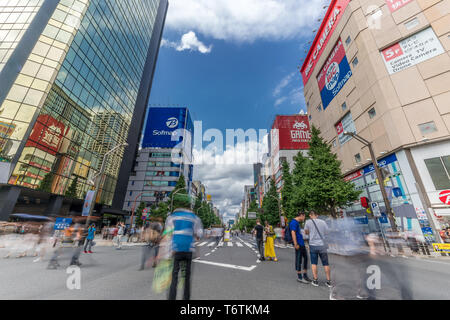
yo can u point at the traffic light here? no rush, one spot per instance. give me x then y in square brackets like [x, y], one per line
[364, 202]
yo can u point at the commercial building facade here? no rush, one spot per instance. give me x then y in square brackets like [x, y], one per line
[166, 154]
[381, 69]
[75, 77]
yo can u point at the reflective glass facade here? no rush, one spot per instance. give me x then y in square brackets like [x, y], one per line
[74, 98]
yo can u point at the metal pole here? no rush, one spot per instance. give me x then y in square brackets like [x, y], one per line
[383, 190]
[379, 177]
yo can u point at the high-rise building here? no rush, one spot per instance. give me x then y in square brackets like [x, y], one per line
[75, 77]
[290, 135]
[166, 154]
[381, 69]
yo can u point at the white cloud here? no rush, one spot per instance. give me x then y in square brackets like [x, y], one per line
[245, 20]
[189, 41]
[283, 84]
[224, 178]
[290, 89]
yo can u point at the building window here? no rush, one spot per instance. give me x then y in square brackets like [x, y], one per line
[132, 183]
[310, 118]
[372, 113]
[427, 128]
[357, 158]
[347, 42]
[344, 106]
[439, 170]
[412, 24]
[355, 62]
[319, 107]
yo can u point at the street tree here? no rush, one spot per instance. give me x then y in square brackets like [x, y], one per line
[138, 214]
[72, 190]
[46, 183]
[270, 208]
[323, 183]
[287, 192]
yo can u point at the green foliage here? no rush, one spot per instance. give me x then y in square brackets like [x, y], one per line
[253, 207]
[46, 183]
[318, 182]
[72, 190]
[180, 196]
[287, 192]
[245, 224]
[270, 208]
[204, 211]
[160, 211]
[138, 214]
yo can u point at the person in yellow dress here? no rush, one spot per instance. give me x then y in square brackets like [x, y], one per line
[269, 247]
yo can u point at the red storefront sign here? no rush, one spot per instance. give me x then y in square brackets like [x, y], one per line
[330, 21]
[47, 134]
[354, 175]
[394, 5]
[293, 132]
[444, 196]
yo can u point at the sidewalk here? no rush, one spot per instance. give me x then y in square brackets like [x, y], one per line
[111, 243]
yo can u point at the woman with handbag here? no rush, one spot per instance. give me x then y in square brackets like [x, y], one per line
[269, 248]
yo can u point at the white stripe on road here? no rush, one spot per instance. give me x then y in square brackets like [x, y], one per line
[211, 244]
[220, 244]
[202, 244]
[230, 244]
[224, 265]
[239, 244]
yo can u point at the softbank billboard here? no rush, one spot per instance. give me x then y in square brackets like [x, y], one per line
[164, 125]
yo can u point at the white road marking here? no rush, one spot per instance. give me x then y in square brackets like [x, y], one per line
[207, 254]
[239, 244]
[230, 244]
[202, 244]
[220, 244]
[224, 265]
[211, 244]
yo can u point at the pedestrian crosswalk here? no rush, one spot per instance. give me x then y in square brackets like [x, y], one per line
[230, 244]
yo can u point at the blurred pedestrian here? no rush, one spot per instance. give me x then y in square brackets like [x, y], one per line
[152, 237]
[301, 255]
[120, 233]
[317, 230]
[78, 240]
[187, 228]
[258, 232]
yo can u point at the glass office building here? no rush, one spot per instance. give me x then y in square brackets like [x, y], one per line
[75, 77]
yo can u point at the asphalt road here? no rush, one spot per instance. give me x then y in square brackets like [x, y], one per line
[228, 272]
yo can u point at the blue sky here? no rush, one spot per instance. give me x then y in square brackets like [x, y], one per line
[234, 64]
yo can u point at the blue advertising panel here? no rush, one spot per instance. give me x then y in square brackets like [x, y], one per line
[62, 223]
[334, 74]
[382, 163]
[88, 203]
[162, 126]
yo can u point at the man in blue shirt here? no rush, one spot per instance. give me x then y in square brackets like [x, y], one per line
[185, 228]
[90, 238]
[300, 249]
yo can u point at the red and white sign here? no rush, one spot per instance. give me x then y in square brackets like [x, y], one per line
[417, 48]
[293, 132]
[47, 134]
[394, 5]
[354, 175]
[444, 196]
[330, 21]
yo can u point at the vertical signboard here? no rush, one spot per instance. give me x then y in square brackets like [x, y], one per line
[413, 50]
[345, 125]
[293, 133]
[47, 134]
[334, 74]
[88, 203]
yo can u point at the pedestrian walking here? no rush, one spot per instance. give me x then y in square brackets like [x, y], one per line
[301, 255]
[317, 230]
[278, 234]
[258, 232]
[187, 227]
[269, 247]
[90, 238]
[120, 233]
[78, 240]
[152, 237]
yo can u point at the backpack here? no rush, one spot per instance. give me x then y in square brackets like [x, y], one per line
[287, 234]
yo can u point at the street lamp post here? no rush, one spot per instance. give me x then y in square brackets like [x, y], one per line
[134, 207]
[98, 178]
[379, 177]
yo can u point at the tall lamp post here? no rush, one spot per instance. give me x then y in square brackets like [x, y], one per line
[134, 207]
[98, 178]
[379, 177]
